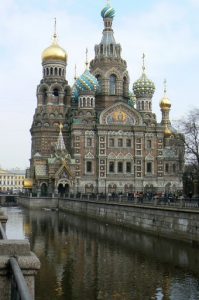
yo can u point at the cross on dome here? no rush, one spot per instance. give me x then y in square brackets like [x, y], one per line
[143, 60]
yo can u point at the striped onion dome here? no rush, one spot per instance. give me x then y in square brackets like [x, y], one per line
[86, 83]
[144, 87]
[108, 12]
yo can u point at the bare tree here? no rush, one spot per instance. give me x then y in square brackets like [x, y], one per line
[189, 128]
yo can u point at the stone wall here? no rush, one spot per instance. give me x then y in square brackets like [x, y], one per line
[37, 203]
[180, 224]
[175, 223]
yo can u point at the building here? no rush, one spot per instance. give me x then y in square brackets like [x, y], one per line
[11, 180]
[97, 137]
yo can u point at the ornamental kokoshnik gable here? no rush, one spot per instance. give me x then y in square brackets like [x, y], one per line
[97, 137]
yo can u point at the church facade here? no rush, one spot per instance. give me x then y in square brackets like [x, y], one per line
[96, 136]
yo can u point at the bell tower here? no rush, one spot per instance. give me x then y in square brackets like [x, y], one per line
[53, 99]
[108, 66]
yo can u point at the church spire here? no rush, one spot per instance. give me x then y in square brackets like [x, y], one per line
[60, 145]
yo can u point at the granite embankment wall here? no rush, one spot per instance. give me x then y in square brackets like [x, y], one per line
[176, 223]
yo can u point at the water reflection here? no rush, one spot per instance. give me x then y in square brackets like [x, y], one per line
[82, 259]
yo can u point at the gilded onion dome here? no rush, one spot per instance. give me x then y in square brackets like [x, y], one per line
[167, 131]
[108, 11]
[165, 103]
[54, 52]
[27, 183]
[86, 83]
[143, 87]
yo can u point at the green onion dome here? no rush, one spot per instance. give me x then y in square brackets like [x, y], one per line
[144, 87]
[108, 12]
[86, 83]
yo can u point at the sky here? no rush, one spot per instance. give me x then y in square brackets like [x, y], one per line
[167, 31]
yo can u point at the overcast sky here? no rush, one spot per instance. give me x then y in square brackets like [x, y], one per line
[167, 31]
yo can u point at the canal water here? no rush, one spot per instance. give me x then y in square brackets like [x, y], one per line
[82, 259]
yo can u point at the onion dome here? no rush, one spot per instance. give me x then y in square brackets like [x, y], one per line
[86, 83]
[167, 132]
[165, 103]
[27, 183]
[108, 12]
[54, 52]
[143, 87]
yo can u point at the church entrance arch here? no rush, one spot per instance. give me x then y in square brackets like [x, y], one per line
[63, 187]
[44, 189]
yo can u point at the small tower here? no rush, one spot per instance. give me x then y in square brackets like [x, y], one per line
[144, 89]
[165, 106]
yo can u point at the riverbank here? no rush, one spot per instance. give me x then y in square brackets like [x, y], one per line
[175, 223]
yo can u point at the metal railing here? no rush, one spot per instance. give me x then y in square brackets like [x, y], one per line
[2, 233]
[19, 288]
[141, 200]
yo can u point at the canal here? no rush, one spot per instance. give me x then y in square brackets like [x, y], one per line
[82, 259]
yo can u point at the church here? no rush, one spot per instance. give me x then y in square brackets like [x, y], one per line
[101, 135]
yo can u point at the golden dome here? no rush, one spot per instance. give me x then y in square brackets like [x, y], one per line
[27, 183]
[165, 103]
[167, 132]
[54, 52]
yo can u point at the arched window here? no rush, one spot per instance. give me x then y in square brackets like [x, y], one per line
[55, 71]
[56, 92]
[56, 96]
[63, 72]
[112, 84]
[59, 71]
[47, 73]
[51, 71]
[99, 79]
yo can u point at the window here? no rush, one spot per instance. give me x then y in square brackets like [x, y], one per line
[112, 85]
[174, 168]
[89, 166]
[128, 167]
[89, 142]
[55, 92]
[111, 142]
[148, 144]
[120, 167]
[128, 143]
[166, 168]
[149, 167]
[120, 142]
[111, 167]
